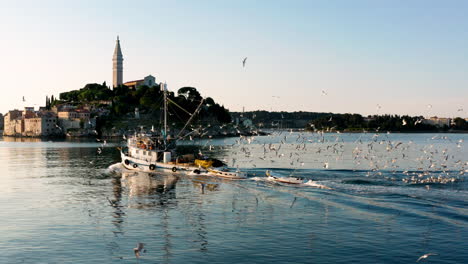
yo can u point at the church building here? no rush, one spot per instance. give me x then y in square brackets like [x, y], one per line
[117, 79]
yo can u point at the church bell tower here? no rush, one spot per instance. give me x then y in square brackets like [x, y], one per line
[117, 62]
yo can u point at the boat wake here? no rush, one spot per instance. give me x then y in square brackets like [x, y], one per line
[115, 168]
[309, 183]
[312, 183]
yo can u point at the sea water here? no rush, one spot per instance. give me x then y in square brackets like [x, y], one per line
[63, 202]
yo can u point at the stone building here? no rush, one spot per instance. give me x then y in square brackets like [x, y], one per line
[13, 123]
[43, 124]
[76, 120]
[28, 123]
[149, 81]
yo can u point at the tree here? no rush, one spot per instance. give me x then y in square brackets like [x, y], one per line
[190, 93]
[460, 123]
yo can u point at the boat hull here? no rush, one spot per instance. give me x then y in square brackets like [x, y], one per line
[135, 164]
[131, 163]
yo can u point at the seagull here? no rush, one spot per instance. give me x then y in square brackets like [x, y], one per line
[24, 100]
[325, 165]
[324, 93]
[243, 62]
[139, 249]
[460, 110]
[404, 122]
[429, 106]
[99, 151]
[425, 256]
[418, 121]
[378, 107]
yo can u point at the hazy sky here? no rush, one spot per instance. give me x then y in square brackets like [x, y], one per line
[401, 55]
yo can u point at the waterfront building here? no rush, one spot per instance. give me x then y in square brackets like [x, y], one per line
[42, 124]
[28, 123]
[13, 123]
[77, 120]
[438, 121]
[117, 65]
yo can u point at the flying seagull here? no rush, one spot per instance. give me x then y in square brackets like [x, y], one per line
[425, 256]
[324, 93]
[243, 62]
[325, 165]
[24, 100]
[139, 249]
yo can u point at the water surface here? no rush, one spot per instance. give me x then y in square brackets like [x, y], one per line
[55, 204]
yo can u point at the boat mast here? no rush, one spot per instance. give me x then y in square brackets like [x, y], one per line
[165, 113]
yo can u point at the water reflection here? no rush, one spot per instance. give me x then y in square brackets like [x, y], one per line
[204, 184]
[21, 139]
[160, 186]
[118, 214]
[149, 190]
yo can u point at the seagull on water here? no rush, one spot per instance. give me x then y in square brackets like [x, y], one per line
[425, 256]
[139, 249]
[244, 61]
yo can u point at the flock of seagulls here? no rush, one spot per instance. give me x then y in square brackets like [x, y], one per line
[409, 162]
[380, 153]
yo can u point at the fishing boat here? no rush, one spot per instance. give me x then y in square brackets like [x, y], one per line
[226, 173]
[290, 180]
[155, 151]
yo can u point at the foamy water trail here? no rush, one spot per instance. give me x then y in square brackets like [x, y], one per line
[258, 178]
[115, 168]
[312, 183]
